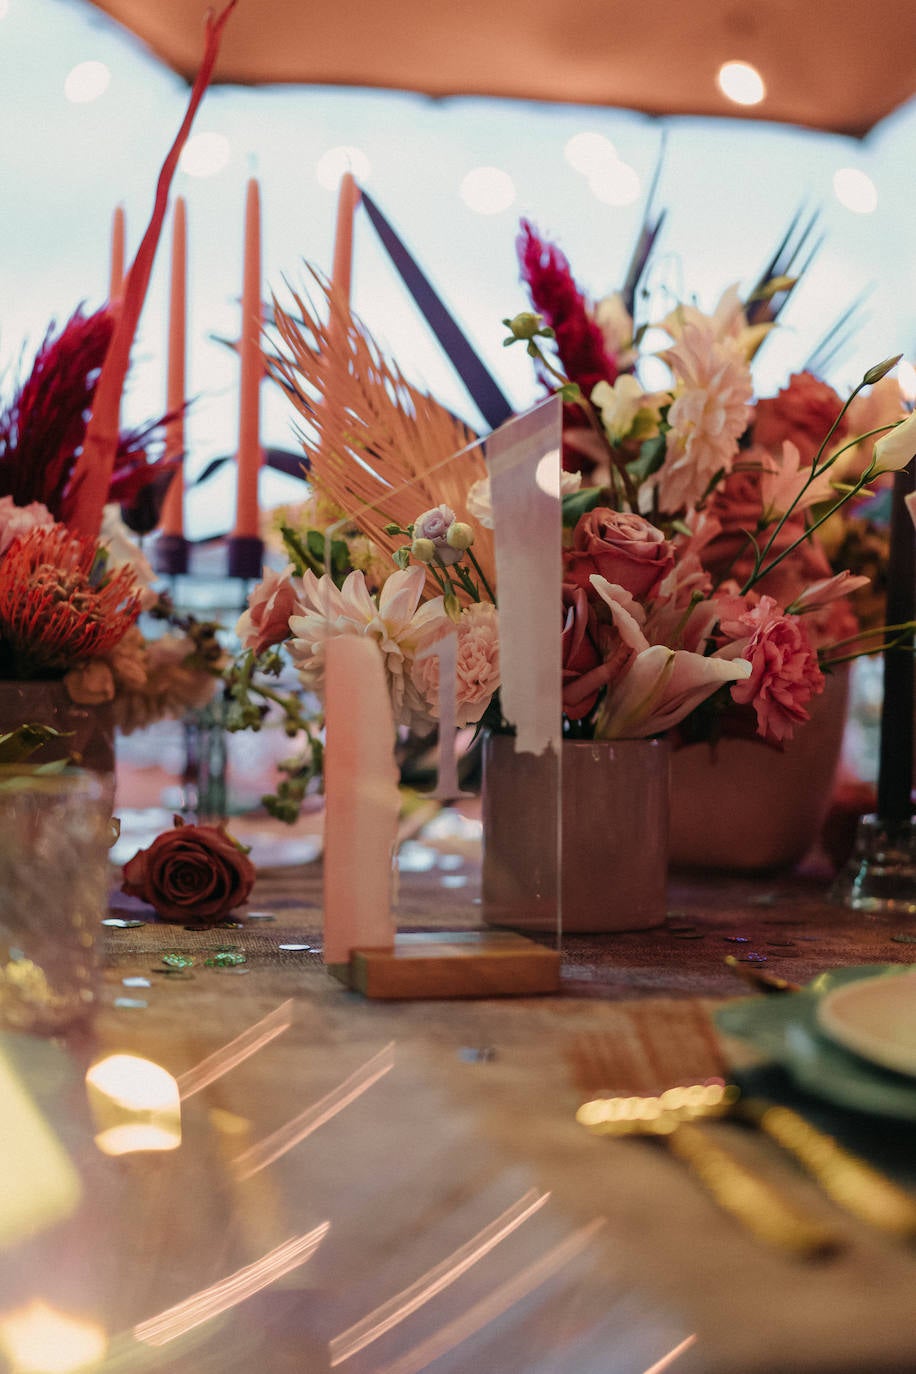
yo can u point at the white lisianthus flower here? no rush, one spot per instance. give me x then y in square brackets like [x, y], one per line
[626, 410]
[895, 449]
[616, 325]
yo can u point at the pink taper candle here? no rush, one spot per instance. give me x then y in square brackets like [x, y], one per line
[361, 799]
[116, 277]
[342, 270]
[173, 506]
[248, 463]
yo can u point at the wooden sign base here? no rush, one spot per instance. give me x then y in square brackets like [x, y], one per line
[466, 963]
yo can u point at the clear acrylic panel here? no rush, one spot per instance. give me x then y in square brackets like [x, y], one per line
[460, 862]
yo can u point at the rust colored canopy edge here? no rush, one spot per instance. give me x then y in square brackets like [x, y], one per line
[837, 65]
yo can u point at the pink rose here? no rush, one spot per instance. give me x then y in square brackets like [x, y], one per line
[586, 669]
[17, 520]
[193, 873]
[624, 548]
[803, 413]
[784, 672]
[270, 605]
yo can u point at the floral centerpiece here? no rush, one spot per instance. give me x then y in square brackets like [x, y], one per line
[698, 593]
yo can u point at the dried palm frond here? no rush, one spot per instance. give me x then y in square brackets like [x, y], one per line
[378, 448]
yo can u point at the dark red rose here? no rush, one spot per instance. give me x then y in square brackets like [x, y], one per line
[194, 873]
[803, 413]
[624, 548]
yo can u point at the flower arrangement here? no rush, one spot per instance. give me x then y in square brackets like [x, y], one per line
[698, 593]
[69, 601]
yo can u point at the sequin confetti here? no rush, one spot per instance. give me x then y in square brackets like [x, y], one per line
[136, 982]
[752, 958]
[130, 1003]
[121, 923]
[779, 944]
[178, 960]
[261, 916]
[904, 938]
[226, 958]
[477, 1054]
[737, 939]
[687, 934]
[297, 949]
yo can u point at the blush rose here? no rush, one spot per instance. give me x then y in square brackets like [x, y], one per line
[619, 546]
[193, 874]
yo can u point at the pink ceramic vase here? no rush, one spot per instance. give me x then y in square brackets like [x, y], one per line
[614, 810]
[88, 732]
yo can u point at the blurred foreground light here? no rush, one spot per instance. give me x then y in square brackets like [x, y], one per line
[38, 1184]
[135, 1105]
[547, 474]
[332, 165]
[589, 152]
[39, 1340]
[906, 380]
[204, 155]
[4, 8]
[855, 190]
[615, 184]
[86, 81]
[741, 83]
[487, 190]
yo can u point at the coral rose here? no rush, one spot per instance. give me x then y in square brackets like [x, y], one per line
[193, 874]
[624, 548]
[270, 605]
[802, 412]
[587, 667]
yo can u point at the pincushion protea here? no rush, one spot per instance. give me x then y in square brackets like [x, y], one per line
[58, 604]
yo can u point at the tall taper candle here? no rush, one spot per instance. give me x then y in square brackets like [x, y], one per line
[116, 275]
[248, 463]
[173, 506]
[342, 269]
[895, 774]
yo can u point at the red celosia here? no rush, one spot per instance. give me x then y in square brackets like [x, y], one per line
[556, 297]
[56, 608]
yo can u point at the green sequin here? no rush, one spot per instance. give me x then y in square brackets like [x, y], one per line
[177, 960]
[226, 958]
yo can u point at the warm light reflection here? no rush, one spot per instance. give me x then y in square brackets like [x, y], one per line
[479, 1315]
[237, 1051]
[204, 155]
[296, 1130]
[332, 165]
[667, 1361]
[371, 1327]
[855, 190]
[741, 83]
[210, 1302]
[547, 474]
[589, 152]
[4, 8]
[86, 82]
[487, 190]
[38, 1184]
[616, 184]
[135, 1105]
[39, 1340]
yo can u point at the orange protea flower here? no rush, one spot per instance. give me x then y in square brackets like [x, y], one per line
[58, 605]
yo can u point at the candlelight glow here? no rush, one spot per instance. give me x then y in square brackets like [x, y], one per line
[332, 165]
[135, 1105]
[487, 190]
[236, 1051]
[39, 1340]
[86, 82]
[38, 1184]
[741, 83]
[667, 1361]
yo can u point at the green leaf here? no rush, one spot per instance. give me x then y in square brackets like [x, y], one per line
[18, 745]
[579, 503]
[651, 457]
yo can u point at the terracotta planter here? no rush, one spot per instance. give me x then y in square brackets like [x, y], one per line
[614, 835]
[89, 730]
[745, 807]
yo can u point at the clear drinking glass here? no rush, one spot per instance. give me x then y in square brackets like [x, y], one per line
[54, 838]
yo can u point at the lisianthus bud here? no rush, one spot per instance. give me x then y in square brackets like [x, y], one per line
[452, 607]
[423, 550]
[874, 374]
[460, 536]
[894, 450]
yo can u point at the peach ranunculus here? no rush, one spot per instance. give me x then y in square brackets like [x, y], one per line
[476, 666]
[270, 605]
[623, 548]
[802, 412]
[784, 673]
[16, 520]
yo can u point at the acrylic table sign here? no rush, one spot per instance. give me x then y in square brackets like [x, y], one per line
[446, 651]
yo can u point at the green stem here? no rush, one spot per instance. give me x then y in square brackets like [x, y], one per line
[482, 575]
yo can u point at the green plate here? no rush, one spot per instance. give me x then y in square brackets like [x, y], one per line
[784, 1027]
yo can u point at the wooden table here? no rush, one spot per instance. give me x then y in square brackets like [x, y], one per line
[469, 1218]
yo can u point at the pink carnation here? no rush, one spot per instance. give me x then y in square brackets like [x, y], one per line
[270, 605]
[784, 672]
[476, 669]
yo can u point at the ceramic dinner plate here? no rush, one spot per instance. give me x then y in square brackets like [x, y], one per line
[876, 1018]
[785, 1028]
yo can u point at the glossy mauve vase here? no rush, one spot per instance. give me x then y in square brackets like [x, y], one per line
[88, 732]
[614, 796]
[745, 807]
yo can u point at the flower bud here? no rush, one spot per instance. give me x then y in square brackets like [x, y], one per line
[525, 325]
[392, 529]
[460, 535]
[423, 550]
[452, 607]
[874, 374]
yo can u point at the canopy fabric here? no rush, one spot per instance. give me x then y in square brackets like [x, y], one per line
[834, 65]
